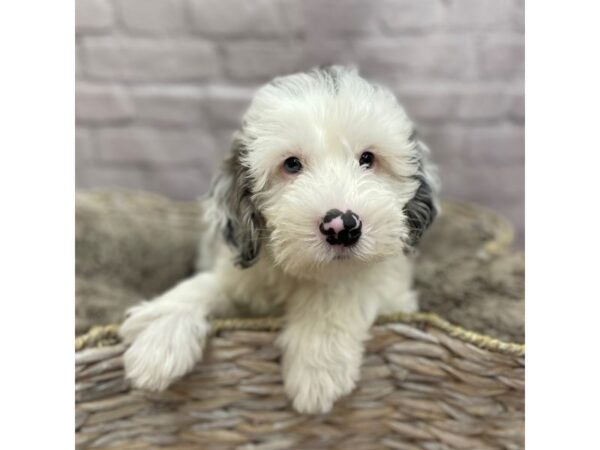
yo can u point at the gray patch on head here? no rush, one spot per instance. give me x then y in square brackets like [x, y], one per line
[328, 75]
[243, 223]
[331, 74]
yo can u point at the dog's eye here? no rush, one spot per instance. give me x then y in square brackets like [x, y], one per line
[367, 159]
[292, 165]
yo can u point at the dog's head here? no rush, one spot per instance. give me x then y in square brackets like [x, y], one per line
[326, 171]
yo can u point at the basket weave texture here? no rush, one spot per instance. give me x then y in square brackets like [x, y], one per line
[421, 387]
[425, 384]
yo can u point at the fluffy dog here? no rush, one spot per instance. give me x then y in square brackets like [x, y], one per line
[313, 214]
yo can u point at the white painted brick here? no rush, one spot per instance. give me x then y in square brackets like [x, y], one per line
[327, 51]
[93, 16]
[480, 105]
[497, 183]
[182, 183]
[517, 108]
[482, 15]
[224, 138]
[152, 16]
[417, 59]
[458, 105]
[482, 164]
[446, 142]
[242, 18]
[495, 146]
[103, 177]
[102, 103]
[173, 105]
[457, 66]
[227, 105]
[520, 16]
[149, 60]
[481, 145]
[428, 106]
[261, 59]
[78, 69]
[435, 104]
[407, 16]
[492, 186]
[502, 58]
[151, 147]
[340, 18]
[83, 145]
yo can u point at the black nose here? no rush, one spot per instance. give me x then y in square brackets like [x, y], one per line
[341, 228]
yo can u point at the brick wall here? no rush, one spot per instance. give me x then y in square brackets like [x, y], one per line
[161, 84]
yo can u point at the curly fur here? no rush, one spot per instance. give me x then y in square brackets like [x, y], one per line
[264, 252]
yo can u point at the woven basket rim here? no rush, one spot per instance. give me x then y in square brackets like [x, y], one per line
[102, 335]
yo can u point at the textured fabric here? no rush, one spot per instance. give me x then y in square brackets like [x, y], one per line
[133, 246]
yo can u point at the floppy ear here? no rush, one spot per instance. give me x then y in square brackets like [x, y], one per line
[240, 220]
[422, 209]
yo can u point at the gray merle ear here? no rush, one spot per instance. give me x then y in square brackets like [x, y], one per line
[242, 222]
[422, 209]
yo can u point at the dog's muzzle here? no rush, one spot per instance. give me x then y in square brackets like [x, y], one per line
[341, 228]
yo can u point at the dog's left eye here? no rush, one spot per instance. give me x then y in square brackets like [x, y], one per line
[292, 165]
[367, 159]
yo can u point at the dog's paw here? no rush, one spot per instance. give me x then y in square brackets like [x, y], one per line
[138, 318]
[164, 351]
[314, 390]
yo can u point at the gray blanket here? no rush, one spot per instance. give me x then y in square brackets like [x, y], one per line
[132, 246]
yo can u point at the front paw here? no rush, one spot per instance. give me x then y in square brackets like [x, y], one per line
[314, 390]
[164, 351]
[138, 318]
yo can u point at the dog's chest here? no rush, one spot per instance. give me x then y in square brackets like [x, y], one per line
[258, 290]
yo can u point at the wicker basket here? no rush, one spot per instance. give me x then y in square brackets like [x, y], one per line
[425, 384]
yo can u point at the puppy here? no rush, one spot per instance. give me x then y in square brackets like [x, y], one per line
[314, 212]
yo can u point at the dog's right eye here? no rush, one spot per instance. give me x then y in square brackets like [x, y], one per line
[292, 165]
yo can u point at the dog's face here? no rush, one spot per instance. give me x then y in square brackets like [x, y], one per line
[326, 172]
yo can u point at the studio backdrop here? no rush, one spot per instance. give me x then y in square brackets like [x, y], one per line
[162, 84]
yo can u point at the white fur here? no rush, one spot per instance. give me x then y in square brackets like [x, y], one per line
[330, 295]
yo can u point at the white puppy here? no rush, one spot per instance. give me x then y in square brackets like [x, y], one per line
[313, 214]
